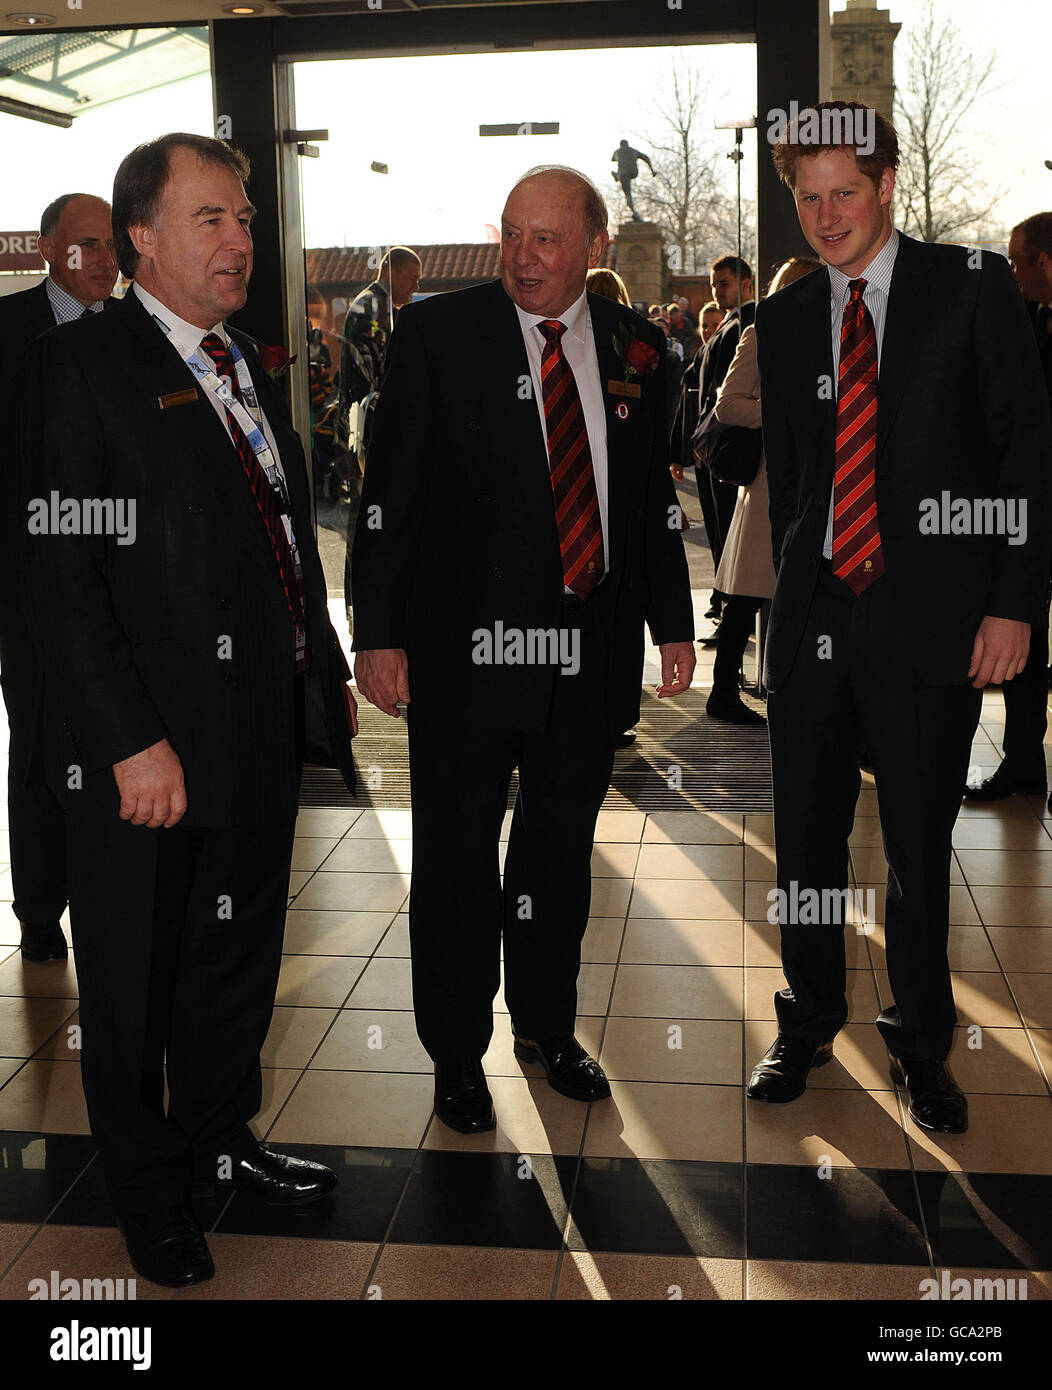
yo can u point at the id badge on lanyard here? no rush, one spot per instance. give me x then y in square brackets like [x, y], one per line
[251, 425]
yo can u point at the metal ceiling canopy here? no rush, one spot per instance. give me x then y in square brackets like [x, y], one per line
[70, 73]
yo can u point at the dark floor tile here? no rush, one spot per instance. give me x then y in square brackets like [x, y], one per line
[88, 1202]
[486, 1200]
[852, 1216]
[658, 1207]
[37, 1170]
[988, 1220]
[369, 1183]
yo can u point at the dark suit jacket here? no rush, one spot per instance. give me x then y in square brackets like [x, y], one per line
[1044, 348]
[457, 528]
[23, 317]
[703, 379]
[960, 408]
[131, 635]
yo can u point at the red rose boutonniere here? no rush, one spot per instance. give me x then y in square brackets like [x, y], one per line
[640, 358]
[275, 361]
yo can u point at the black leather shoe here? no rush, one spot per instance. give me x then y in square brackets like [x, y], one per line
[710, 642]
[781, 1073]
[570, 1070]
[1005, 783]
[625, 740]
[167, 1247]
[936, 1101]
[279, 1179]
[44, 943]
[732, 710]
[462, 1098]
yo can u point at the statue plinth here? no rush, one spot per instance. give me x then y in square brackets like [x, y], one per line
[862, 38]
[641, 261]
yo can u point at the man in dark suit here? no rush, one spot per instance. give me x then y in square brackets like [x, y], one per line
[518, 526]
[731, 281]
[189, 665]
[899, 386]
[76, 241]
[1022, 769]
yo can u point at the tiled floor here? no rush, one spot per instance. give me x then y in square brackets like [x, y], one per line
[677, 1183]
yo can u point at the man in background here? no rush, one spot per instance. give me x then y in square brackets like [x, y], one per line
[76, 241]
[1022, 769]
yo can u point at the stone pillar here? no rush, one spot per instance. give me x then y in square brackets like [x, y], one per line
[862, 40]
[641, 261]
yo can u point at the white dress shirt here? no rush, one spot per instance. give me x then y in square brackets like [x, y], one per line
[578, 345]
[186, 338]
[877, 276]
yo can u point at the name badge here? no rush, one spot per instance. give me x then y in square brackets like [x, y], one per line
[177, 398]
[624, 388]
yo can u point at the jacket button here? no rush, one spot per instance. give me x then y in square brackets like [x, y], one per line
[225, 603]
[230, 680]
[195, 508]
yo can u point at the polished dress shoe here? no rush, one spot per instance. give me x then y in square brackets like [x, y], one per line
[732, 710]
[936, 1101]
[44, 943]
[278, 1179]
[462, 1098]
[167, 1246]
[570, 1070]
[625, 740]
[710, 642]
[1005, 783]
[781, 1073]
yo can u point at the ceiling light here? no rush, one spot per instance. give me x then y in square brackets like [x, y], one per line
[31, 21]
[242, 9]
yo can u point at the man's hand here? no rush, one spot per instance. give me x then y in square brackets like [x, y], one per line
[352, 710]
[678, 660]
[151, 786]
[383, 678]
[1000, 651]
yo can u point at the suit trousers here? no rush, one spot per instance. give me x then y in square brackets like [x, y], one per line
[847, 683]
[177, 936]
[458, 910]
[37, 826]
[1026, 710]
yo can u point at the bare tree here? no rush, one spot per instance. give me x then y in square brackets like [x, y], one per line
[691, 195]
[938, 191]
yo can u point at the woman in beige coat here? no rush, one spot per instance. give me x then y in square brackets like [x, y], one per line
[746, 569]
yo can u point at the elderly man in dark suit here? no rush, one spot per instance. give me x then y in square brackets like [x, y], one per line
[189, 665]
[518, 526]
[908, 447]
[76, 241]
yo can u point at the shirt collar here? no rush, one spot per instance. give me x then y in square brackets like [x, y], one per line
[184, 337]
[576, 318]
[877, 274]
[65, 306]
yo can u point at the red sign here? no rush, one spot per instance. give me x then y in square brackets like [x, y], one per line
[18, 251]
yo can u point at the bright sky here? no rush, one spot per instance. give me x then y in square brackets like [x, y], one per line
[420, 116]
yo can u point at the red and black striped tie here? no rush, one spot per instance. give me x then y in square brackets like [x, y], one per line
[857, 555]
[570, 461]
[266, 498]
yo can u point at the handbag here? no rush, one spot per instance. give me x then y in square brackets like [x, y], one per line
[731, 453]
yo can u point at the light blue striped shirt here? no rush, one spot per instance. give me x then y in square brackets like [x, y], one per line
[64, 306]
[877, 276]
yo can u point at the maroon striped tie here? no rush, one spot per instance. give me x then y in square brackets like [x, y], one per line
[570, 461]
[266, 498]
[857, 555]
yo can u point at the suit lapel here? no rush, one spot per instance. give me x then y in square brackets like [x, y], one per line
[814, 344]
[906, 321]
[192, 433]
[621, 435]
